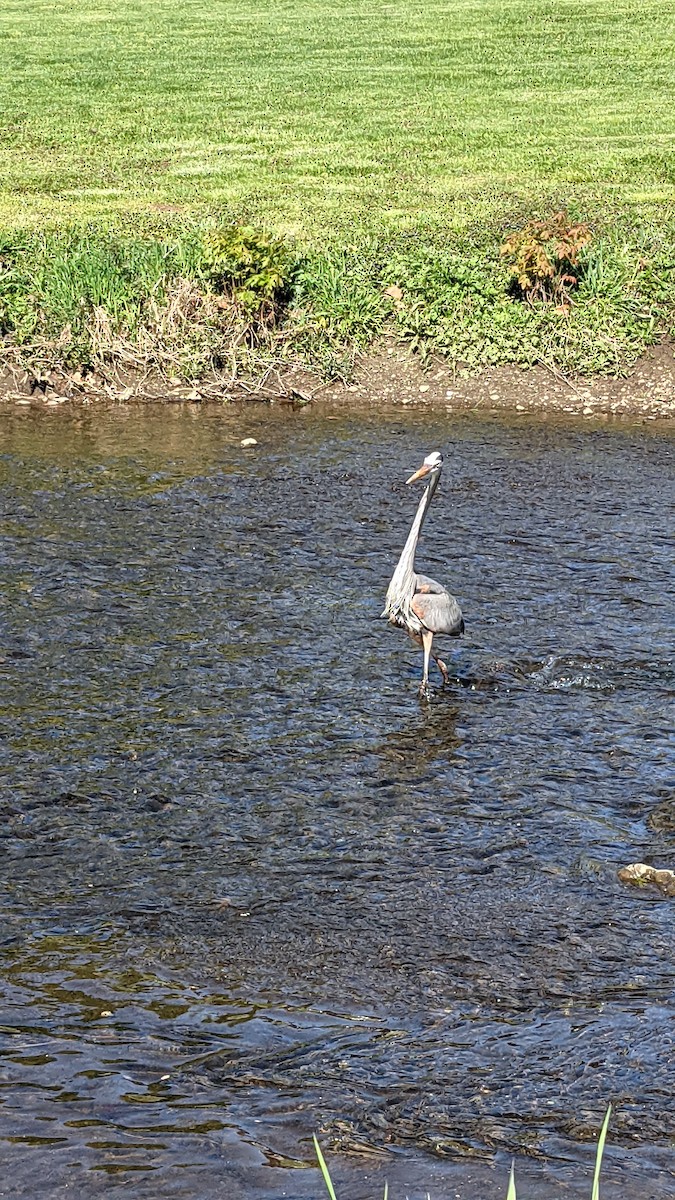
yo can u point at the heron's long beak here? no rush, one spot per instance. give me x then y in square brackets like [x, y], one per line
[424, 470]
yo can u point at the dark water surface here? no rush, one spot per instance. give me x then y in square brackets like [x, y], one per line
[252, 887]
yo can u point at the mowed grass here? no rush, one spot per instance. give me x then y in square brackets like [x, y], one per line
[327, 119]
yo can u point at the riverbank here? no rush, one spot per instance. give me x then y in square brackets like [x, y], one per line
[203, 203]
[496, 316]
[388, 377]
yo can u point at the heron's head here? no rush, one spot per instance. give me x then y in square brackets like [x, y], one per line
[433, 462]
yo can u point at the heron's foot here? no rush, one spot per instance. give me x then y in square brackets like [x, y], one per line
[443, 670]
[424, 691]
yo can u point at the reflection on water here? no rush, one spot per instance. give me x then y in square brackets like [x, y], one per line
[252, 887]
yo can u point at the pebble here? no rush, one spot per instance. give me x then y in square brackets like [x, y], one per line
[248, 442]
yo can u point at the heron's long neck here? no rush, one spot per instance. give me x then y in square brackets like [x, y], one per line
[402, 586]
[407, 558]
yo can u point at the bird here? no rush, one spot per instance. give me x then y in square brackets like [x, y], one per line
[415, 602]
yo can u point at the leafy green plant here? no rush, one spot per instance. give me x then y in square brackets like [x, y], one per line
[511, 1190]
[544, 257]
[250, 266]
[453, 301]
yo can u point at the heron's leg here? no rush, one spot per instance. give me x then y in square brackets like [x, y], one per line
[427, 639]
[442, 668]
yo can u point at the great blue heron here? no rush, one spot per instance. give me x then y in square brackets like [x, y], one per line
[415, 602]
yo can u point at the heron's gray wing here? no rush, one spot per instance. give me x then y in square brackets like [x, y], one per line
[438, 611]
[424, 584]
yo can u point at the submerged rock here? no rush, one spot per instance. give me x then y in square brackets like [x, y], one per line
[642, 875]
[662, 818]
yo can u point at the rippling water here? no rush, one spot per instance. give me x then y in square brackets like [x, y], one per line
[252, 887]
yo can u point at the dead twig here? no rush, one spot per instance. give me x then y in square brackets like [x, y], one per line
[558, 375]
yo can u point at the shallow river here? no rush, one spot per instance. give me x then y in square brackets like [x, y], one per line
[252, 887]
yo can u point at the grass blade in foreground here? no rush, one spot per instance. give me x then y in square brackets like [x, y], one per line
[511, 1190]
[595, 1194]
[326, 1175]
[324, 1170]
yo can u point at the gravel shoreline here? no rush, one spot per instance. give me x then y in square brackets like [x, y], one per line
[386, 378]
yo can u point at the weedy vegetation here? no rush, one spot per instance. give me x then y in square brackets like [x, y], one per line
[195, 302]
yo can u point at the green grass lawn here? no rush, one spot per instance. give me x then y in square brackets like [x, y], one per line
[322, 115]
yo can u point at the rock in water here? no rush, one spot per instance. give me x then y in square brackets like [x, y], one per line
[642, 875]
